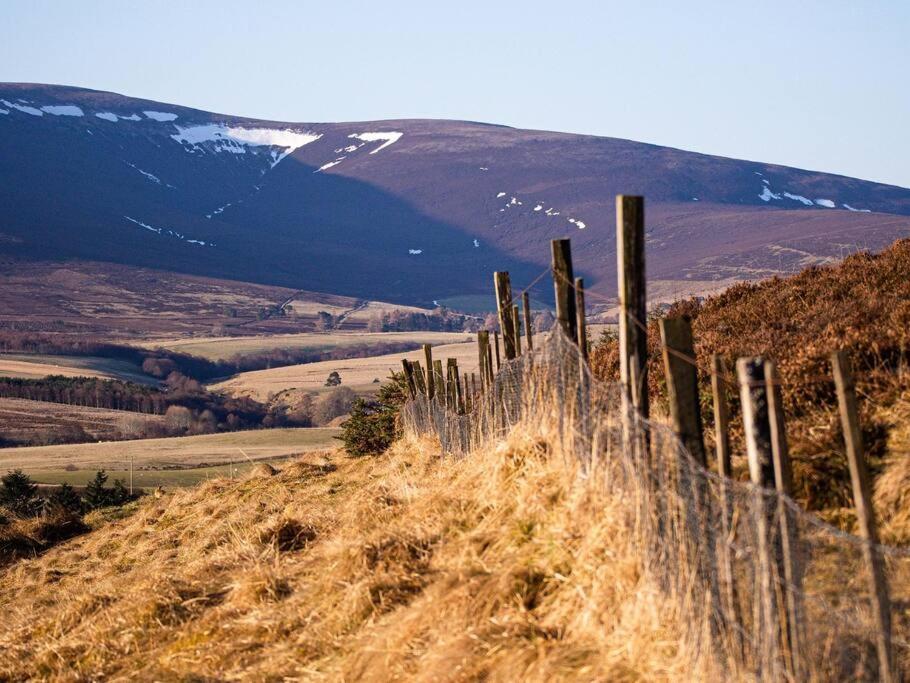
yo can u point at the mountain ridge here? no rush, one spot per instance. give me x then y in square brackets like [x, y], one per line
[381, 209]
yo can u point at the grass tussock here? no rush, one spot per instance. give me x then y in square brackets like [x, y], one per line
[861, 306]
[503, 566]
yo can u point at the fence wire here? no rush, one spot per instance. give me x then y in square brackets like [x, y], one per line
[713, 545]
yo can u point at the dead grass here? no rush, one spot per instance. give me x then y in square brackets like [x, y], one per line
[503, 566]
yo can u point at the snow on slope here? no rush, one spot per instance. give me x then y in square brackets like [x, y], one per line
[235, 139]
[389, 138]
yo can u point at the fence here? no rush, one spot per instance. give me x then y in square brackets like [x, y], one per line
[765, 589]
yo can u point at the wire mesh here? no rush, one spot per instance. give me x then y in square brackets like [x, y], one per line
[712, 544]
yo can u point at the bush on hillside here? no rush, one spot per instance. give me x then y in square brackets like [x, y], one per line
[19, 494]
[373, 424]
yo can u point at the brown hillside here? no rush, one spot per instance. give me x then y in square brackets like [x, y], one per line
[862, 306]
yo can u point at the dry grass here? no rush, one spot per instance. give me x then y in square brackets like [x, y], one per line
[357, 373]
[503, 566]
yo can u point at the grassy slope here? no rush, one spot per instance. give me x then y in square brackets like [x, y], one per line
[862, 306]
[490, 568]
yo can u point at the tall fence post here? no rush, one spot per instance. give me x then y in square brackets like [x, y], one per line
[865, 515]
[682, 385]
[789, 539]
[483, 347]
[409, 376]
[581, 326]
[496, 342]
[428, 355]
[504, 305]
[526, 308]
[633, 334]
[439, 379]
[563, 279]
[754, 398]
[721, 415]
[516, 330]
[420, 386]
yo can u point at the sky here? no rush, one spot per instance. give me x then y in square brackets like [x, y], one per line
[817, 85]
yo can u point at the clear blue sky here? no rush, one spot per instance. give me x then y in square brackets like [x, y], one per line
[822, 85]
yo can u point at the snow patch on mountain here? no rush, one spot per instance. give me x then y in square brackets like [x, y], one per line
[414, 252]
[149, 176]
[389, 138]
[113, 118]
[330, 164]
[578, 224]
[798, 198]
[162, 116]
[827, 203]
[167, 232]
[24, 108]
[850, 208]
[62, 110]
[766, 194]
[235, 140]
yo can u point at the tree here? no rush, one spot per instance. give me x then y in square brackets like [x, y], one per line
[179, 418]
[65, 498]
[333, 380]
[373, 425]
[19, 494]
[325, 321]
[96, 496]
[331, 405]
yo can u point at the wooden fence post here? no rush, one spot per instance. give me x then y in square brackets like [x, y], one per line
[439, 380]
[428, 355]
[563, 279]
[496, 341]
[721, 415]
[581, 325]
[526, 307]
[420, 385]
[865, 514]
[789, 538]
[409, 376]
[682, 385]
[516, 330]
[633, 335]
[504, 304]
[483, 347]
[489, 366]
[754, 398]
[473, 389]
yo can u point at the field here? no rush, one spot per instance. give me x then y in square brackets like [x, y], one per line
[29, 366]
[357, 373]
[24, 420]
[223, 348]
[180, 461]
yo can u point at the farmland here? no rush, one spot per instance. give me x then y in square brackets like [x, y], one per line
[223, 348]
[357, 373]
[27, 366]
[179, 461]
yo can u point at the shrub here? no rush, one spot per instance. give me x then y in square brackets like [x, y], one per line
[19, 494]
[373, 425]
[333, 380]
[65, 498]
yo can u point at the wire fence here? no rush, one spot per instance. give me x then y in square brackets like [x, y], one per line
[713, 545]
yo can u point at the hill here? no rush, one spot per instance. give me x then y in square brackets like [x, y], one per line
[381, 209]
[862, 306]
[407, 566]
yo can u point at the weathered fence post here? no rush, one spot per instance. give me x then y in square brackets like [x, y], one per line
[789, 539]
[504, 304]
[563, 279]
[721, 416]
[409, 376]
[754, 398]
[439, 379]
[526, 308]
[483, 347]
[682, 385]
[633, 333]
[516, 328]
[417, 374]
[581, 326]
[428, 355]
[496, 341]
[865, 515]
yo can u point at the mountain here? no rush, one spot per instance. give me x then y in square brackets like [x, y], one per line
[408, 210]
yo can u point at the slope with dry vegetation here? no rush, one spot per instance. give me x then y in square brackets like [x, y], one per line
[496, 567]
[862, 306]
